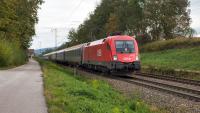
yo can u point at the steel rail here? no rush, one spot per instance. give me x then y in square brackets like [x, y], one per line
[170, 86]
[170, 78]
[187, 93]
[169, 89]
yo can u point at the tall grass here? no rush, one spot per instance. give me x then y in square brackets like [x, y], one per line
[171, 44]
[11, 54]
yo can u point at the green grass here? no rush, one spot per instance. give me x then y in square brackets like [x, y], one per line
[68, 94]
[171, 44]
[8, 67]
[184, 59]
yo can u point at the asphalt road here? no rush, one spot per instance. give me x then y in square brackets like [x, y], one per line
[21, 90]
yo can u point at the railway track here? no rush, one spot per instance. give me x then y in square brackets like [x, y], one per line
[181, 91]
[188, 93]
[169, 78]
[185, 92]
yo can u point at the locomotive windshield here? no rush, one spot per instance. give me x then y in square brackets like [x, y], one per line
[125, 46]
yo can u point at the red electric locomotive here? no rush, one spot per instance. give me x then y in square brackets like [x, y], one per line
[113, 53]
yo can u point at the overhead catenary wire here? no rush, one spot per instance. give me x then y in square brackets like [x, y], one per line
[74, 10]
[70, 19]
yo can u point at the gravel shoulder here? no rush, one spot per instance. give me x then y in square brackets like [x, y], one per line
[165, 101]
[21, 90]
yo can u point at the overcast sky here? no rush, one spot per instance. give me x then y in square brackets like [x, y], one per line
[66, 14]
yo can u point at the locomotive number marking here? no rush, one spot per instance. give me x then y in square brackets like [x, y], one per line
[126, 58]
[99, 52]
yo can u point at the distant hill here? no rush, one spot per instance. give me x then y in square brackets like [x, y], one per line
[40, 51]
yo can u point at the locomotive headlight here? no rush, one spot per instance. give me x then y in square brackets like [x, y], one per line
[137, 58]
[115, 58]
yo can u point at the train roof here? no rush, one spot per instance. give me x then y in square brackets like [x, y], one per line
[120, 36]
[74, 47]
[97, 42]
[66, 49]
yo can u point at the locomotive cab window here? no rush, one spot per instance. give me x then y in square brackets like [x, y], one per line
[125, 46]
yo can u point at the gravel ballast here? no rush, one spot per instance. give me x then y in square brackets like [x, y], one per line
[162, 100]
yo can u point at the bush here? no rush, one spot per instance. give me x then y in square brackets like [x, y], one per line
[170, 44]
[11, 54]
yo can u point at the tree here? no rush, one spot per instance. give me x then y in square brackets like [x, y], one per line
[17, 26]
[112, 24]
[155, 19]
[190, 32]
[165, 18]
[17, 20]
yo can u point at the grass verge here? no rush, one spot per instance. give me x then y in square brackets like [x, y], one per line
[66, 93]
[188, 59]
[174, 59]
[170, 44]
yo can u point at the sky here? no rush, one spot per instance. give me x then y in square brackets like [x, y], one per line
[66, 14]
[195, 14]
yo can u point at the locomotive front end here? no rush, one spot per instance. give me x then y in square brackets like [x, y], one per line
[125, 54]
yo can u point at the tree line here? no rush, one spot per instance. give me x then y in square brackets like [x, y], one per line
[148, 20]
[17, 21]
[17, 26]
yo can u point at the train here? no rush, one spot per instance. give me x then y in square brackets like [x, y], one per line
[118, 53]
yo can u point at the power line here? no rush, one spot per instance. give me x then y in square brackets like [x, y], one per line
[74, 10]
[55, 30]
